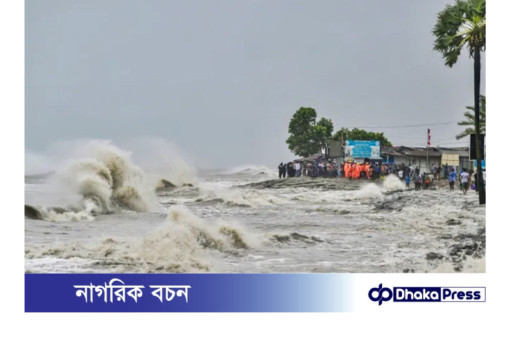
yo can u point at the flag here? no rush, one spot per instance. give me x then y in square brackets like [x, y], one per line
[428, 137]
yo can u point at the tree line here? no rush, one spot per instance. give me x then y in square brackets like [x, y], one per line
[307, 136]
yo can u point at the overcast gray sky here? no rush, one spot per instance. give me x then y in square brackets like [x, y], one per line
[221, 79]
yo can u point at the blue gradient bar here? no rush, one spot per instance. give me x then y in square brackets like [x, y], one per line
[208, 293]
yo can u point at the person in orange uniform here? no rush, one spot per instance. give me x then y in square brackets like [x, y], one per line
[367, 170]
[355, 170]
[347, 169]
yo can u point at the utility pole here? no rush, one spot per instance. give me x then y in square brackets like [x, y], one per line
[479, 177]
[428, 144]
[428, 166]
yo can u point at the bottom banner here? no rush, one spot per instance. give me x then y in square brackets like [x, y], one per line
[187, 293]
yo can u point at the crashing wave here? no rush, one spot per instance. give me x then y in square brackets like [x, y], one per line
[390, 184]
[184, 243]
[105, 179]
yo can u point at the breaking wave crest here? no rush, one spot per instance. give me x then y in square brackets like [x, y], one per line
[61, 214]
[184, 243]
[104, 180]
[185, 240]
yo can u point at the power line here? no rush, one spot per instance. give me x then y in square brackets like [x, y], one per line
[406, 126]
[459, 142]
[433, 140]
[455, 143]
[414, 136]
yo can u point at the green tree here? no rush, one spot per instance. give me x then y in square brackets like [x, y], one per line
[458, 26]
[360, 134]
[470, 120]
[322, 132]
[307, 136]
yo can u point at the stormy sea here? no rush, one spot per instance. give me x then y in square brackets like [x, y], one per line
[104, 209]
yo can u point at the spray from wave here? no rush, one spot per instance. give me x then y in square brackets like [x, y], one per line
[373, 191]
[162, 160]
[109, 179]
[370, 191]
[103, 180]
[392, 183]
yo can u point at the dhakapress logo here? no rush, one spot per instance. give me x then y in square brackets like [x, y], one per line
[381, 294]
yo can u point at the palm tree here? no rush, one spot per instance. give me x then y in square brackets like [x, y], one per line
[470, 120]
[458, 26]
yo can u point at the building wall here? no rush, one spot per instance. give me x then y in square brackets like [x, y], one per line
[433, 161]
[399, 160]
[421, 163]
[416, 161]
[466, 163]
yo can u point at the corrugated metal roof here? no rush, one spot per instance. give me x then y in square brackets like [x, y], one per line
[462, 152]
[423, 152]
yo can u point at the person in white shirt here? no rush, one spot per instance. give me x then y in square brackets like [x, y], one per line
[464, 179]
[298, 169]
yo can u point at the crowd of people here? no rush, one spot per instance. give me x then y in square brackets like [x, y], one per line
[467, 179]
[351, 169]
[317, 168]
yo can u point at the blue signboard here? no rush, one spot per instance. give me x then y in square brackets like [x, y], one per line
[475, 164]
[363, 149]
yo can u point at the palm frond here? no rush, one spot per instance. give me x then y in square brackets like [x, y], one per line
[459, 25]
[465, 133]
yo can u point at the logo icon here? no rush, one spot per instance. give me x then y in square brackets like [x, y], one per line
[381, 294]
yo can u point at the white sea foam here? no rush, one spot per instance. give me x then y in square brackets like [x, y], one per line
[470, 265]
[84, 215]
[393, 183]
[187, 240]
[183, 243]
[370, 191]
[238, 196]
[98, 177]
